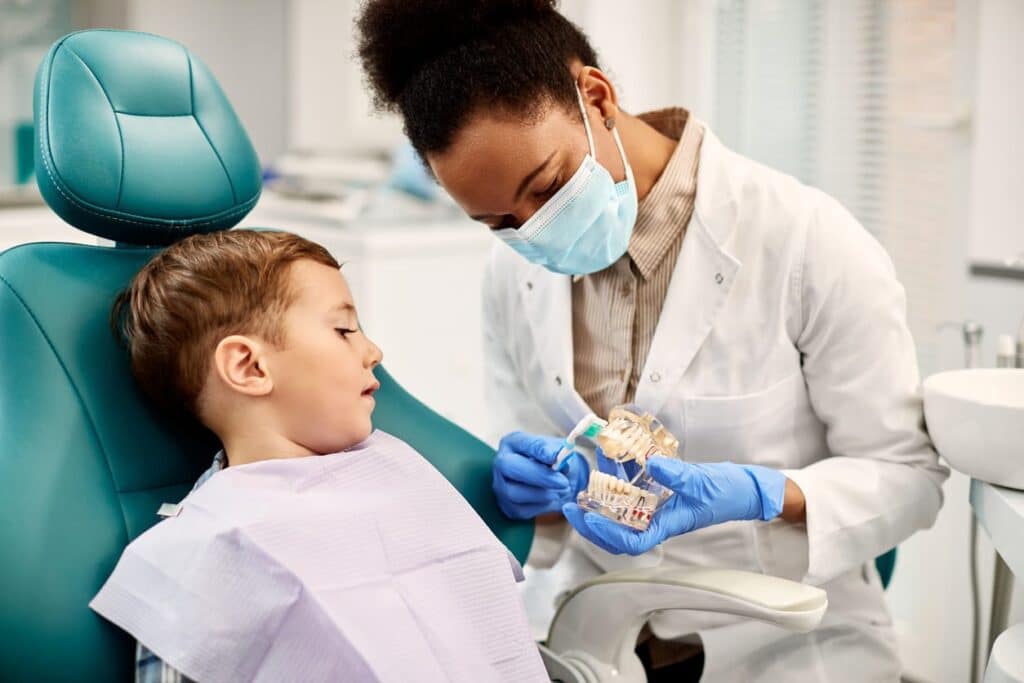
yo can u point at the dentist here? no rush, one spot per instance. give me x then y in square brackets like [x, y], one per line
[641, 261]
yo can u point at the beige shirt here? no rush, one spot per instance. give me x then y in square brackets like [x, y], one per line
[615, 311]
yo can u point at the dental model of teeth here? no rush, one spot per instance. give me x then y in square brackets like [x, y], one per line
[635, 436]
[618, 500]
[630, 435]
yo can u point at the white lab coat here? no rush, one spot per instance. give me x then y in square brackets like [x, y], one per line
[782, 342]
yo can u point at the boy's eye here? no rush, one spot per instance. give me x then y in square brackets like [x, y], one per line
[344, 331]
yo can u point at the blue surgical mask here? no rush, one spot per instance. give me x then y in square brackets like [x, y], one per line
[585, 227]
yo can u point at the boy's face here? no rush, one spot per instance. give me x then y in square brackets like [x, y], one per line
[322, 374]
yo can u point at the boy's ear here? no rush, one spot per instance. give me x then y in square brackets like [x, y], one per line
[237, 361]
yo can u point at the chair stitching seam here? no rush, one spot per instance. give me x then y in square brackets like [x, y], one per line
[78, 396]
[155, 488]
[117, 121]
[192, 96]
[153, 116]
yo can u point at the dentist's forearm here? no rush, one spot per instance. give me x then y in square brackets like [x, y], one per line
[794, 505]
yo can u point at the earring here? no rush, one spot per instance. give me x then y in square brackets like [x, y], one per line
[609, 123]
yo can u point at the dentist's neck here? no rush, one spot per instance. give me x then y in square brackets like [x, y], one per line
[647, 150]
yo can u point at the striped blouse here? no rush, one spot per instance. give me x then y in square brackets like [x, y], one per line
[615, 311]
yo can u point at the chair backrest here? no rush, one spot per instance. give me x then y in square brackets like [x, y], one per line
[886, 566]
[84, 461]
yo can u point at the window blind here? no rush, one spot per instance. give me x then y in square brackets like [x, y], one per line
[856, 97]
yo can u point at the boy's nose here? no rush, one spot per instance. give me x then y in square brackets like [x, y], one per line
[374, 355]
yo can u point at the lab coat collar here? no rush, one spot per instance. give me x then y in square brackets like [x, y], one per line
[701, 281]
[548, 311]
[704, 275]
[716, 202]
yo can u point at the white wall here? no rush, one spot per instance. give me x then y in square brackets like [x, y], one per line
[666, 67]
[328, 105]
[996, 229]
[657, 52]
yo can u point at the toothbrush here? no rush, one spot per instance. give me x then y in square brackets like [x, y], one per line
[590, 426]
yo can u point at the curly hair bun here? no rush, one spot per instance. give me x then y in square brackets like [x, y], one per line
[436, 61]
[398, 37]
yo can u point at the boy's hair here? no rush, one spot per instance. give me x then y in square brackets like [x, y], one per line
[198, 291]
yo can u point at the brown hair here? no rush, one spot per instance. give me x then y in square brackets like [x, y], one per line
[195, 293]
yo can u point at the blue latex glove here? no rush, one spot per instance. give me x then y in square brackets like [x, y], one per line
[524, 482]
[705, 495]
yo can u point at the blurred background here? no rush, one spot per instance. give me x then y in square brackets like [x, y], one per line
[907, 111]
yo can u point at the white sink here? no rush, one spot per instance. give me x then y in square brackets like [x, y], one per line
[976, 420]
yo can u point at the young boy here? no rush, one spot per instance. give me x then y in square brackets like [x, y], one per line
[319, 549]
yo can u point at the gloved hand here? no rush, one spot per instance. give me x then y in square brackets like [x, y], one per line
[524, 482]
[705, 494]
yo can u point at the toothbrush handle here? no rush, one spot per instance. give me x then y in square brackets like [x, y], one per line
[563, 453]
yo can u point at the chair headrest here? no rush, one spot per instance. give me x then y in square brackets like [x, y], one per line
[136, 142]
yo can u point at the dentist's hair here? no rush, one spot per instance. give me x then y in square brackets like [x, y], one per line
[436, 62]
[198, 291]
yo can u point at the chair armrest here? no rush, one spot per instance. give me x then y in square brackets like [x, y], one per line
[597, 625]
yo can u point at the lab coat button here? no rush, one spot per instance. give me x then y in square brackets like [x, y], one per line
[529, 285]
[655, 377]
[558, 381]
[718, 278]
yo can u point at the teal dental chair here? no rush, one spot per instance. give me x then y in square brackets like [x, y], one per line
[136, 143]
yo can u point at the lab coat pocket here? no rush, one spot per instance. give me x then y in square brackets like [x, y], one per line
[774, 427]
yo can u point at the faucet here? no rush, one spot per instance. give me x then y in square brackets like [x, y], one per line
[972, 333]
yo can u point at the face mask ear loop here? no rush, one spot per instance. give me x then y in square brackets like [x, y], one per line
[622, 153]
[615, 136]
[586, 124]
